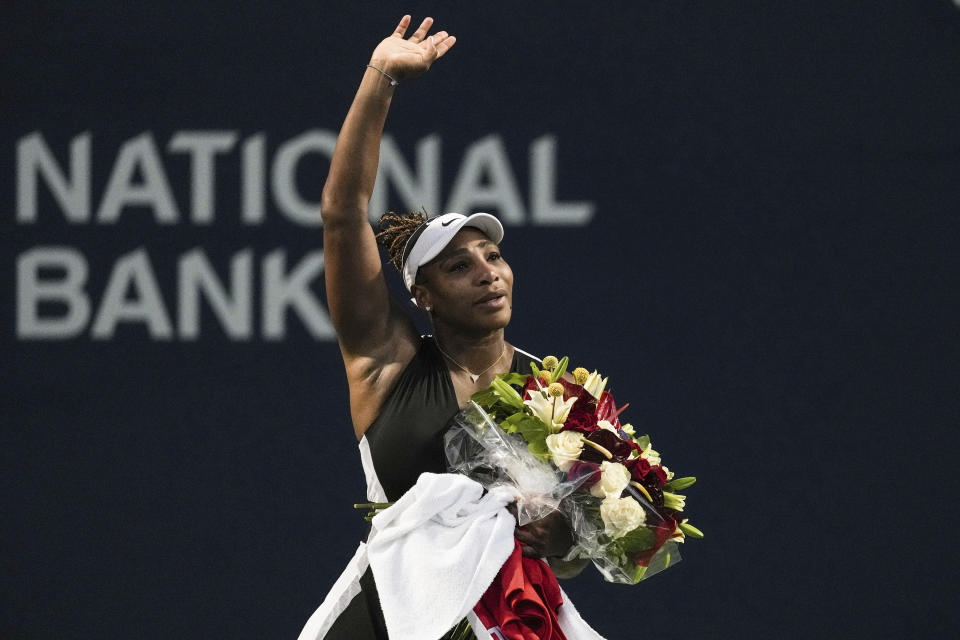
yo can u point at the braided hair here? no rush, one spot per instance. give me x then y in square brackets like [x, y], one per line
[396, 230]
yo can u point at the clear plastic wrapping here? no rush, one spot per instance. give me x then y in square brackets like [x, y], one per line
[478, 447]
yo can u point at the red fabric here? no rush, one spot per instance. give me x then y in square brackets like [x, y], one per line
[523, 600]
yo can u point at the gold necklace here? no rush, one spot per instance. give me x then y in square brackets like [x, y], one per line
[473, 376]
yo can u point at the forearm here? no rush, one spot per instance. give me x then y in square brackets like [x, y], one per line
[353, 169]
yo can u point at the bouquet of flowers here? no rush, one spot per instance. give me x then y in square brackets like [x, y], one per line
[561, 445]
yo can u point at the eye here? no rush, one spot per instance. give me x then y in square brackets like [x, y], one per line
[459, 266]
[494, 255]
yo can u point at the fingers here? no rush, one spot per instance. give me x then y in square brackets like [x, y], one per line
[437, 45]
[523, 535]
[443, 45]
[421, 31]
[528, 544]
[402, 27]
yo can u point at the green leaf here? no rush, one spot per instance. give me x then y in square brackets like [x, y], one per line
[513, 378]
[640, 539]
[508, 424]
[690, 530]
[486, 398]
[528, 426]
[643, 441]
[533, 430]
[561, 369]
[539, 449]
[679, 484]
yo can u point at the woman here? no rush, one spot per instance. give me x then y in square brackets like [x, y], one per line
[404, 388]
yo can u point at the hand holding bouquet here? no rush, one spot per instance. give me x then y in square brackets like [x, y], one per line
[561, 444]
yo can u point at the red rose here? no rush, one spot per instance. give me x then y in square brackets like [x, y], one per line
[580, 420]
[589, 471]
[531, 385]
[638, 468]
[661, 475]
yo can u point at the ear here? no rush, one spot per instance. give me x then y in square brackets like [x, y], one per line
[423, 297]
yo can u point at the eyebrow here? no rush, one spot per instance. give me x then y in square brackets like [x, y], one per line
[463, 250]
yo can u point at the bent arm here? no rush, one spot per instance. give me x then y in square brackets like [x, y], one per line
[366, 320]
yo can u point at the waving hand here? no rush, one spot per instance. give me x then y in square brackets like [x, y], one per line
[407, 58]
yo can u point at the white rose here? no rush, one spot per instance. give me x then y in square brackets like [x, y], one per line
[565, 448]
[614, 478]
[621, 516]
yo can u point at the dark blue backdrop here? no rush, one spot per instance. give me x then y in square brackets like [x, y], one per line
[769, 277]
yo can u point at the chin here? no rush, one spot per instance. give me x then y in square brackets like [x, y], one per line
[501, 320]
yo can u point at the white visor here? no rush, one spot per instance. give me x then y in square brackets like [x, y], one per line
[429, 241]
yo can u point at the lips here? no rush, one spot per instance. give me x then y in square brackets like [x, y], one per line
[491, 297]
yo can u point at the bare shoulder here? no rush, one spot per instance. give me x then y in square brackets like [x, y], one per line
[371, 375]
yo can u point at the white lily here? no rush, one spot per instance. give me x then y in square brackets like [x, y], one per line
[595, 384]
[552, 411]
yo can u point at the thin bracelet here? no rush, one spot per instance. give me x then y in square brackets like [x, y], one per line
[393, 82]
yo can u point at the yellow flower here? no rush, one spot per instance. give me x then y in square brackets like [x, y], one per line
[550, 363]
[580, 375]
[555, 389]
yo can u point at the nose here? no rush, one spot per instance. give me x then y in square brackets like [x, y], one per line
[487, 274]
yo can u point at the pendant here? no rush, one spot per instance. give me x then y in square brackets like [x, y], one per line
[474, 378]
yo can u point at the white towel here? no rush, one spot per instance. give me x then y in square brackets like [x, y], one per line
[435, 552]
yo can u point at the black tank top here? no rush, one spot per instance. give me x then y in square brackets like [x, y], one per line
[406, 439]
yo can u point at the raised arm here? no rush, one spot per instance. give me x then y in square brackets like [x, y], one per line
[367, 323]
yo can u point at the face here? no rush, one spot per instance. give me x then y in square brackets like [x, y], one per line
[469, 286]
